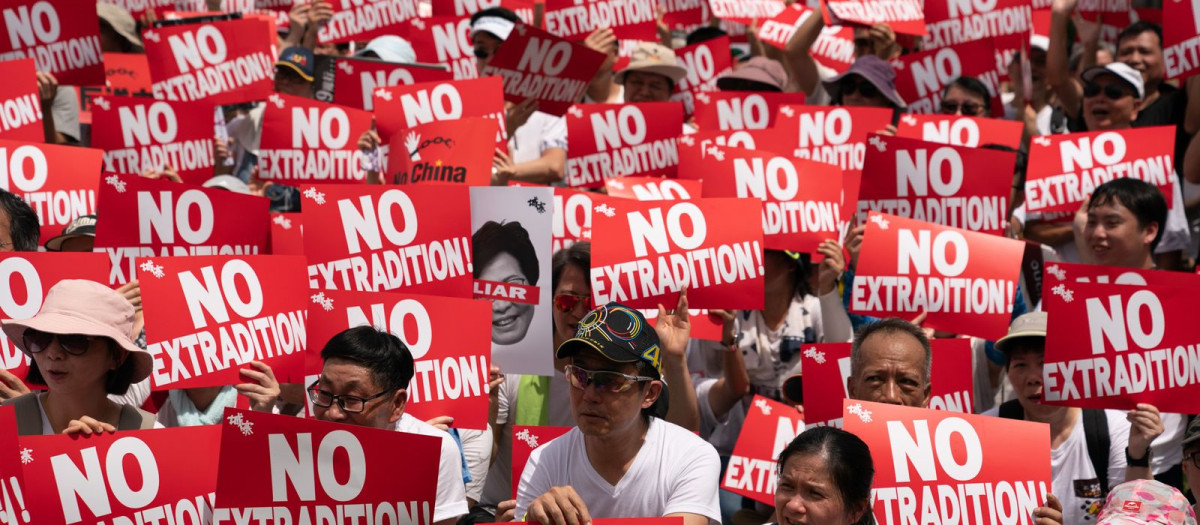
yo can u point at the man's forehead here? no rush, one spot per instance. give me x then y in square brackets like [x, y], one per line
[892, 345]
[346, 375]
[1110, 209]
[593, 360]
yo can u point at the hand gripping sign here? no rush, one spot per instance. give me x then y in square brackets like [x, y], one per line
[238, 309]
[628, 19]
[140, 476]
[409, 106]
[770, 426]
[27, 277]
[951, 22]
[1181, 38]
[953, 186]
[449, 151]
[653, 189]
[1064, 169]
[139, 134]
[538, 65]
[731, 110]
[58, 182]
[959, 130]
[904, 16]
[160, 218]
[355, 80]
[223, 62]
[921, 77]
[20, 107]
[61, 37]
[745, 11]
[296, 470]
[616, 140]
[525, 440]
[357, 20]
[449, 339]
[705, 62]
[380, 238]
[966, 281]
[304, 140]
[645, 253]
[445, 40]
[801, 198]
[940, 467]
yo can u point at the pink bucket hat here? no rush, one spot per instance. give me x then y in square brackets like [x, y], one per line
[1145, 502]
[75, 306]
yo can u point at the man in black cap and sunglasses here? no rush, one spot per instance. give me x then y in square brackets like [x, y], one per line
[617, 396]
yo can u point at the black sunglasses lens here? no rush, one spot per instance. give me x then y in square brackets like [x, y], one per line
[867, 89]
[1090, 90]
[74, 344]
[36, 340]
[1113, 92]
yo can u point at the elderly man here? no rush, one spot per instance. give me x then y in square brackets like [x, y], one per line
[364, 382]
[889, 363]
[651, 74]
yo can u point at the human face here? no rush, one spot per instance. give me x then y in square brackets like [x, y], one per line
[1190, 470]
[6, 240]
[807, 494]
[959, 101]
[572, 281]
[1143, 53]
[84, 373]
[344, 378]
[1102, 113]
[779, 270]
[604, 414]
[1025, 364]
[646, 87]
[510, 320]
[892, 371]
[82, 243]
[1115, 238]
[289, 82]
[486, 45]
[856, 91]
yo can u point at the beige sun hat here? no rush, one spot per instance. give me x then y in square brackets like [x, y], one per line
[649, 57]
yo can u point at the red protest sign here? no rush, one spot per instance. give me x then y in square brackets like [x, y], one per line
[287, 234]
[63, 38]
[139, 8]
[801, 198]
[450, 340]
[409, 106]
[295, 467]
[1064, 169]
[965, 280]
[239, 309]
[445, 40]
[834, 48]
[377, 238]
[628, 19]
[770, 426]
[11, 477]
[125, 74]
[444, 151]
[740, 138]
[21, 118]
[745, 11]
[833, 135]
[304, 140]
[954, 186]
[159, 218]
[653, 188]
[1181, 38]
[918, 453]
[139, 134]
[538, 65]
[572, 221]
[58, 182]
[27, 276]
[523, 8]
[960, 130]
[704, 62]
[92, 480]
[644, 253]
[921, 77]
[1095, 273]
[904, 16]
[952, 22]
[679, 14]
[355, 80]
[952, 385]
[728, 110]
[223, 62]
[614, 140]
[357, 20]
[525, 440]
[778, 30]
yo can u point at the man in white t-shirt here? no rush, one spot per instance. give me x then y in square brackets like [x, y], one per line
[620, 461]
[364, 382]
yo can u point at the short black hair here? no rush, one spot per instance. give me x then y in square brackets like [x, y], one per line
[971, 85]
[847, 459]
[501, 12]
[578, 255]
[1139, 27]
[22, 222]
[116, 382]
[493, 239]
[704, 34]
[891, 325]
[1144, 201]
[385, 355]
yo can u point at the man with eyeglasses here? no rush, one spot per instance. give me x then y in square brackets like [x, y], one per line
[364, 382]
[621, 460]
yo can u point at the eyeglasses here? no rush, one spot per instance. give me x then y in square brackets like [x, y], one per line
[1111, 91]
[37, 341]
[566, 302]
[864, 88]
[1194, 457]
[968, 108]
[348, 404]
[603, 380]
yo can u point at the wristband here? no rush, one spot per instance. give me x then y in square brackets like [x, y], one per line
[1143, 462]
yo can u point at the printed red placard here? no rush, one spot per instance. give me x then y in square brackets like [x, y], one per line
[951, 380]
[954, 186]
[12, 485]
[61, 37]
[538, 65]
[139, 8]
[653, 188]
[125, 75]
[681, 14]
[1064, 169]
[223, 62]
[644, 253]
[951, 22]
[959, 130]
[523, 8]
[355, 80]
[966, 281]
[745, 11]
[770, 426]
[409, 106]
[572, 220]
[58, 182]
[1181, 38]
[730, 110]
[126, 477]
[139, 134]
[628, 19]
[1061, 272]
[833, 135]
[304, 140]
[376, 238]
[300, 469]
[445, 151]
[357, 20]
[450, 341]
[705, 62]
[287, 234]
[904, 16]
[445, 40]
[834, 48]
[22, 116]
[615, 140]
[919, 453]
[921, 77]
[779, 29]
[525, 440]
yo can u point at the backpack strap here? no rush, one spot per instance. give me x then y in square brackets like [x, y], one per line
[1095, 432]
[29, 414]
[1011, 409]
[133, 418]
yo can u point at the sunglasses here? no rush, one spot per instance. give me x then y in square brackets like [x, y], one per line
[968, 108]
[37, 341]
[864, 88]
[566, 302]
[1111, 91]
[603, 380]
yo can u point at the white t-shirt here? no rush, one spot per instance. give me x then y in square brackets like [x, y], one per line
[558, 414]
[720, 431]
[675, 471]
[451, 499]
[541, 132]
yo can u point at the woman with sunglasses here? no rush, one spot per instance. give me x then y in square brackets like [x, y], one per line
[81, 349]
[870, 82]
[966, 96]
